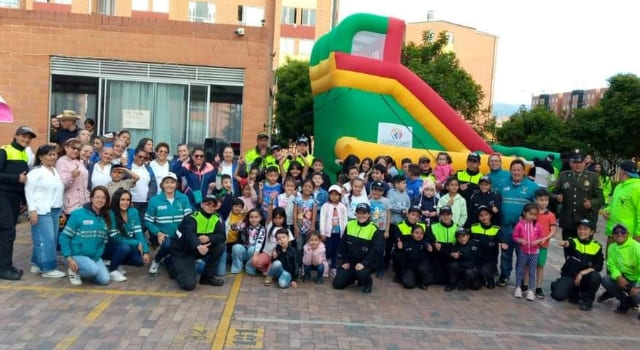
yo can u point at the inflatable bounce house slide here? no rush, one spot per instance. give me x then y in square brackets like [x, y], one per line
[368, 104]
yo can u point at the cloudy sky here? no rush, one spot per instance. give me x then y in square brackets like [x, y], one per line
[543, 45]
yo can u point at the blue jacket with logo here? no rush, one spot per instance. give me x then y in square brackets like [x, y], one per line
[164, 216]
[84, 235]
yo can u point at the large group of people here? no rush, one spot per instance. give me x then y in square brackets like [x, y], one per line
[103, 205]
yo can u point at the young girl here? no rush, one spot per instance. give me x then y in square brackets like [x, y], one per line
[454, 200]
[352, 174]
[249, 197]
[333, 220]
[428, 202]
[365, 168]
[319, 194]
[287, 200]
[314, 257]
[304, 209]
[266, 244]
[358, 195]
[528, 234]
[241, 252]
[286, 262]
[443, 168]
[297, 172]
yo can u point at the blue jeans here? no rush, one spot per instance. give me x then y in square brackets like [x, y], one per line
[221, 270]
[164, 249]
[122, 254]
[506, 256]
[96, 270]
[44, 235]
[241, 256]
[309, 268]
[277, 271]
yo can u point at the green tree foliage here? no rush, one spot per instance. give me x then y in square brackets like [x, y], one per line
[294, 102]
[442, 71]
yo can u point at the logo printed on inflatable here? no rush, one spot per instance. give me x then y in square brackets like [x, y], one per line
[395, 135]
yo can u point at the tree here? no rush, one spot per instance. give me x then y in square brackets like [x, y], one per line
[294, 102]
[621, 116]
[441, 70]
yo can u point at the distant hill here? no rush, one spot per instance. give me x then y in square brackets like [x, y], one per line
[504, 110]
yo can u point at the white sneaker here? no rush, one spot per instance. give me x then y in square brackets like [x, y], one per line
[122, 270]
[117, 276]
[74, 278]
[333, 273]
[530, 295]
[35, 269]
[53, 274]
[518, 293]
[153, 269]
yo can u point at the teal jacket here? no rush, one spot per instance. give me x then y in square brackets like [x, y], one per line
[514, 198]
[164, 216]
[625, 207]
[624, 260]
[84, 235]
[133, 231]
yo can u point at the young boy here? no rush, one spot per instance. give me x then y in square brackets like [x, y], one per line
[225, 195]
[118, 181]
[377, 175]
[463, 271]
[287, 199]
[235, 223]
[380, 214]
[443, 236]
[413, 259]
[484, 196]
[547, 221]
[404, 163]
[399, 202]
[318, 167]
[414, 182]
[286, 261]
[269, 190]
[486, 235]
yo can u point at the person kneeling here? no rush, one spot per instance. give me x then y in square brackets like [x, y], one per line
[580, 278]
[623, 263]
[359, 251]
[463, 270]
[413, 260]
[286, 263]
[200, 235]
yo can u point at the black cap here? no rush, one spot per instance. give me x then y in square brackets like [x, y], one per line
[363, 207]
[424, 159]
[576, 155]
[588, 223]
[550, 157]
[414, 209]
[209, 198]
[485, 208]
[620, 227]
[377, 185]
[115, 167]
[461, 231]
[26, 130]
[485, 179]
[629, 167]
[473, 156]
[275, 147]
[446, 210]
[303, 139]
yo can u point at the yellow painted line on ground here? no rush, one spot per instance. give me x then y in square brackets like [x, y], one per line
[105, 291]
[68, 341]
[225, 320]
[22, 241]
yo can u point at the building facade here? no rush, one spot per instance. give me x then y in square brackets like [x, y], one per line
[564, 104]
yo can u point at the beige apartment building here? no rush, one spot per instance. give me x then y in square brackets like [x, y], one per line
[564, 104]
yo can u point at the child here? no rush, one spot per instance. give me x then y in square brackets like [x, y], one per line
[487, 235]
[297, 172]
[428, 202]
[352, 174]
[402, 230]
[287, 199]
[357, 196]
[269, 190]
[399, 203]
[304, 209]
[380, 215]
[244, 249]
[405, 162]
[277, 220]
[414, 182]
[314, 257]
[249, 197]
[225, 196]
[285, 263]
[318, 168]
[377, 175]
[484, 196]
[413, 259]
[319, 194]
[443, 169]
[547, 221]
[365, 168]
[443, 235]
[118, 181]
[333, 220]
[455, 201]
[235, 223]
[463, 271]
[528, 234]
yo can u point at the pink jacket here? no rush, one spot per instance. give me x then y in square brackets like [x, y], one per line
[530, 232]
[326, 214]
[76, 193]
[442, 172]
[314, 257]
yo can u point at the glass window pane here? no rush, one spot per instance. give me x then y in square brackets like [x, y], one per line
[226, 121]
[170, 117]
[128, 95]
[368, 44]
[198, 115]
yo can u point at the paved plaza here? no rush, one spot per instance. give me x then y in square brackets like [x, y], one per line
[152, 313]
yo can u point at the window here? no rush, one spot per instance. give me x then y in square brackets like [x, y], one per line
[308, 17]
[304, 47]
[107, 7]
[161, 6]
[200, 11]
[250, 16]
[287, 46]
[368, 44]
[140, 5]
[449, 38]
[10, 3]
[288, 15]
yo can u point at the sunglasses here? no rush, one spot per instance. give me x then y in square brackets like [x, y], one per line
[198, 156]
[619, 232]
[141, 157]
[75, 148]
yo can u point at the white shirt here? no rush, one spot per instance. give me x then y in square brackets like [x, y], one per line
[44, 190]
[160, 171]
[100, 176]
[227, 169]
[141, 189]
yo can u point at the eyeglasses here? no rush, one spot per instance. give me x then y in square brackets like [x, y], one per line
[75, 148]
[198, 156]
[141, 157]
[162, 151]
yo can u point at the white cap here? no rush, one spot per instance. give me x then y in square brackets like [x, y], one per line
[169, 175]
[335, 188]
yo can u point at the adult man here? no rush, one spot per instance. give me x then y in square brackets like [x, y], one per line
[625, 203]
[200, 235]
[499, 177]
[13, 176]
[260, 151]
[302, 149]
[518, 192]
[425, 169]
[68, 128]
[469, 177]
[578, 191]
[623, 263]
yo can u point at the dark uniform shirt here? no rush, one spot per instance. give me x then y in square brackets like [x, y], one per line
[575, 188]
[469, 254]
[582, 255]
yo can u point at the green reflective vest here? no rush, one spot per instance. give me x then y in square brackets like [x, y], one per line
[444, 234]
[15, 154]
[405, 228]
[592, 248]
[479, 230]
[204, 225]
[463, 176]
[363, 232]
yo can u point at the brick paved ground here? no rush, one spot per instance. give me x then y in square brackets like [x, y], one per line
[152, 313]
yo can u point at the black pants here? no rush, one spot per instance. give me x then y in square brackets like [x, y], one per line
[411, 276]
[9, 211]
[183, 268]
[439, 264]
[345, 278]
[468, 276]
[488, 269]
[564, 288]
[622, 295]
[390, 242]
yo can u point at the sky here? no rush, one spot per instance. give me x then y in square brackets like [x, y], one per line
[544, 46]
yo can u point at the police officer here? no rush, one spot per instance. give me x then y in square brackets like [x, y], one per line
[443, 235]
[463, 270]
[580, 275]
[260, 151]
[359, 252]
[487, 236]
[405, 227]
[578, 191]
[412, 258]
[13, 176]
[302, 151]
[470, 177]
[200, 235]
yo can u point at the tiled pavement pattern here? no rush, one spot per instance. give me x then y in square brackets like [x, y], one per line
[152, 313]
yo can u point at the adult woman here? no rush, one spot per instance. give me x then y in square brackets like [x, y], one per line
[84, 238]
[98, 145]
[126, 245]
[100, 172]
[145, 187]
[84, 136]
[55, 126]
[160, 165]
[197, 174]
[119, 154]
[605, 182]
[228, 166]
[74, 176]
[145, 144]
[43, 192]
[85, 155]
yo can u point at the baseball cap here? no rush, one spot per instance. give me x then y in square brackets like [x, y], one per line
[620, 228]
[335, 188]
[377, 185]
[363, 207]
[24, 130]
[588, 223]
[630, 168]
[445, 210]
[302, 139]
[485, 179]
[473, 156]
[115, 167]
[414, 209]
[576, 155]
[263, 135]
[424, 159]
[209, 198]
[461, 231]
[275, 148]
[485, 208]
[169, 175]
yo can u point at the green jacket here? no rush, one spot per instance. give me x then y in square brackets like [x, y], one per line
[605, 183]
[625, 207]
[624, 260]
